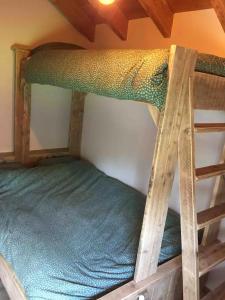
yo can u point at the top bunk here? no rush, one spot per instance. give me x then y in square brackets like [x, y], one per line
[140, 75]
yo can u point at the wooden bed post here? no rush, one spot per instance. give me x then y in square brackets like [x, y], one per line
[26, 123]
[76, 123]
[182, 63]
[21, 53]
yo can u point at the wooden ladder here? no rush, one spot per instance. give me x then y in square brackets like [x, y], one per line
[198, 260]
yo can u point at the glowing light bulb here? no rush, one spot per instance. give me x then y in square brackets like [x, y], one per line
[106, 2]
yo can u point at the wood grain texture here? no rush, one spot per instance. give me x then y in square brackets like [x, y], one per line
[209, 127]
[76, 123]
[21, 53]
[219, 6]
[77, 16]
[26, 122]
[160, 13]
[218, 197]
[10, 282]
[211, 215]
[210, 171]
[155, 114]
[189, 235]
[217, 294]
[113, 16]
[7, 157]
[209, 92]
[165, 284]
[210, 256]
[188, 5]
[48, 153]
[182, 62]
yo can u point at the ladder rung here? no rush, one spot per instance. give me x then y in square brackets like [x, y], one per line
[209, 127]
[209, 171]
[217, 294]
[211, 215]
[210, 257]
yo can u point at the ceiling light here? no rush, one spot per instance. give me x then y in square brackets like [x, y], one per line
[106, 2]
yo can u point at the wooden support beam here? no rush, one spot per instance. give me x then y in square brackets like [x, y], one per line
[161, 14]
[26, 123]
[76, 15]
[76, 123]
[113, 16]
[219, 6]
[182, 63]
[189, 234]
[20, 55]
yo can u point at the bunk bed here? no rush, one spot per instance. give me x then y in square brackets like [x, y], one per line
[61, 217]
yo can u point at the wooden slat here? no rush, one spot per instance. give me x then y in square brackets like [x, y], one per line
[182, 62]
[7, 156]
[77, 16]
[47, 153]
[209, 91]
[113, 16]
[217, 294]
[160, 13]
[76, 123]
[189, 235]
[21, 52]
[210, 256]
[211, 215]
[219, 6]
[218, 197]
[210, 171]
[209, 127]
[169, 272]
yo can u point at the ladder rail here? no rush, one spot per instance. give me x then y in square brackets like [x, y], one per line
[186, 158]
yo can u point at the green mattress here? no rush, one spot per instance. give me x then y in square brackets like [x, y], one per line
[69, 232]
[140, 75]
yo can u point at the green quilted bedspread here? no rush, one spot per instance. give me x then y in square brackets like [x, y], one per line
[140, 75]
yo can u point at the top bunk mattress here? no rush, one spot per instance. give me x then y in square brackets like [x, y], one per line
[140, 75]
[68, 231]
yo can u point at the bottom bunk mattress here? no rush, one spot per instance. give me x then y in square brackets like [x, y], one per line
[69, 231]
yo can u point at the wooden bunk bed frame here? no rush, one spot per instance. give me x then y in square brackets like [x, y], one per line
[150, 281]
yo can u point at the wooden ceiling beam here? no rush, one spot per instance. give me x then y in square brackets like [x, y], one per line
[188, 5]
[161, 14]
[219, 6]
[113, 16]
[76, 15]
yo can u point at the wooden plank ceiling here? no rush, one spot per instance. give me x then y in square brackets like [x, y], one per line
[84, 15]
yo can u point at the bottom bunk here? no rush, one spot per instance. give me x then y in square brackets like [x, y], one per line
[68, 231]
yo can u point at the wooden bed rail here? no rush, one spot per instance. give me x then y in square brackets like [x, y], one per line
[208, 92]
